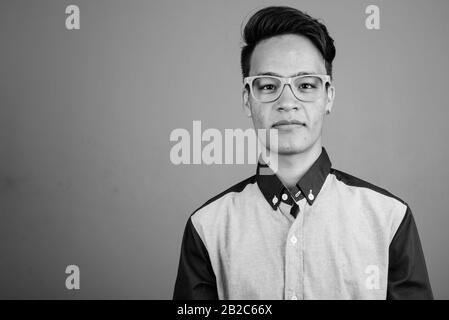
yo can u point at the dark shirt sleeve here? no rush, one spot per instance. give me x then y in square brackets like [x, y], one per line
[407, 272]
[196, 278]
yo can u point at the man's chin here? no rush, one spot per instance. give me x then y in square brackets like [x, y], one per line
[289, 150]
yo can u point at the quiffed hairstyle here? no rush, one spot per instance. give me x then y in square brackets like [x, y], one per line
[275, 21]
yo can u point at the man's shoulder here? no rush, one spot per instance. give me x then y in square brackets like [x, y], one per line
[217, 200]
[355, 182]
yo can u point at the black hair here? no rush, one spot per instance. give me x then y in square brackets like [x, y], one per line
[276, 20]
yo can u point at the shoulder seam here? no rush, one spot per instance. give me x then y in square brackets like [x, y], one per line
[238, 187]
[360, 183]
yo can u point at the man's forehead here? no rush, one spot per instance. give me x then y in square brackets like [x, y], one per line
[286, 55]
[288, 70]
[300, 73]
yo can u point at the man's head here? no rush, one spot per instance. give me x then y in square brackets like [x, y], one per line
[284, 42]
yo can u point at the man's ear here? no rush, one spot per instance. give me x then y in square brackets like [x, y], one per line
[246, 105]
[330, 99]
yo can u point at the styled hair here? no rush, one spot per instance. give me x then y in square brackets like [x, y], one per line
[279, 20]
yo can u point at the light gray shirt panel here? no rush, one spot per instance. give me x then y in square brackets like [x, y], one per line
[335, 249]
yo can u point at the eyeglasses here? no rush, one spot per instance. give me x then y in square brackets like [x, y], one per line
[305, 87]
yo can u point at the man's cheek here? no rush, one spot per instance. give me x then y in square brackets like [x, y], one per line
[317, 125]
[259, 120]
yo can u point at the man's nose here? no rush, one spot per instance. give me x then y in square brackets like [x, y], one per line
[287, 101]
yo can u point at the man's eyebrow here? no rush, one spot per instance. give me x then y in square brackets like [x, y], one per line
[278, 75]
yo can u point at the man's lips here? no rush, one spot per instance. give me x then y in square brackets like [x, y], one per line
[288, 124]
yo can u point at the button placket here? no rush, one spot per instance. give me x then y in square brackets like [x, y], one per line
[293, 261]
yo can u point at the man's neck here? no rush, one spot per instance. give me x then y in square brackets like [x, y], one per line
[292, 167]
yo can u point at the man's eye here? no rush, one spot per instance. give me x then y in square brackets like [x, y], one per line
[306, 86]
[268, 87]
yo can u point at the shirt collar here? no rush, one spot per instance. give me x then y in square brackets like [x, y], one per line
[308, 186]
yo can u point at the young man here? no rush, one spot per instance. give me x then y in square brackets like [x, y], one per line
[306, 230]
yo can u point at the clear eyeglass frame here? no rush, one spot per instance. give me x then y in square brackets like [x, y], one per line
[326, 79]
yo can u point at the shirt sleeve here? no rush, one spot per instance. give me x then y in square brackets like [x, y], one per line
[407, 272]
[196, 278]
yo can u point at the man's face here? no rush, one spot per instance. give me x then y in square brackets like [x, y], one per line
[286, 56]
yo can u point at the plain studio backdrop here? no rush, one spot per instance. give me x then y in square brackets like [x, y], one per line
[86, 115]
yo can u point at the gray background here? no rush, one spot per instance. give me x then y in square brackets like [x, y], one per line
[85, 119]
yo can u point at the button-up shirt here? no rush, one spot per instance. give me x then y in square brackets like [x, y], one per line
[331, 236]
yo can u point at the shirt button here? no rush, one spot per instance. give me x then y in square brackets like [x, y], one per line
[294, 297]
[293, 240]
[311, 196]
[284, 197]
[275, 200]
